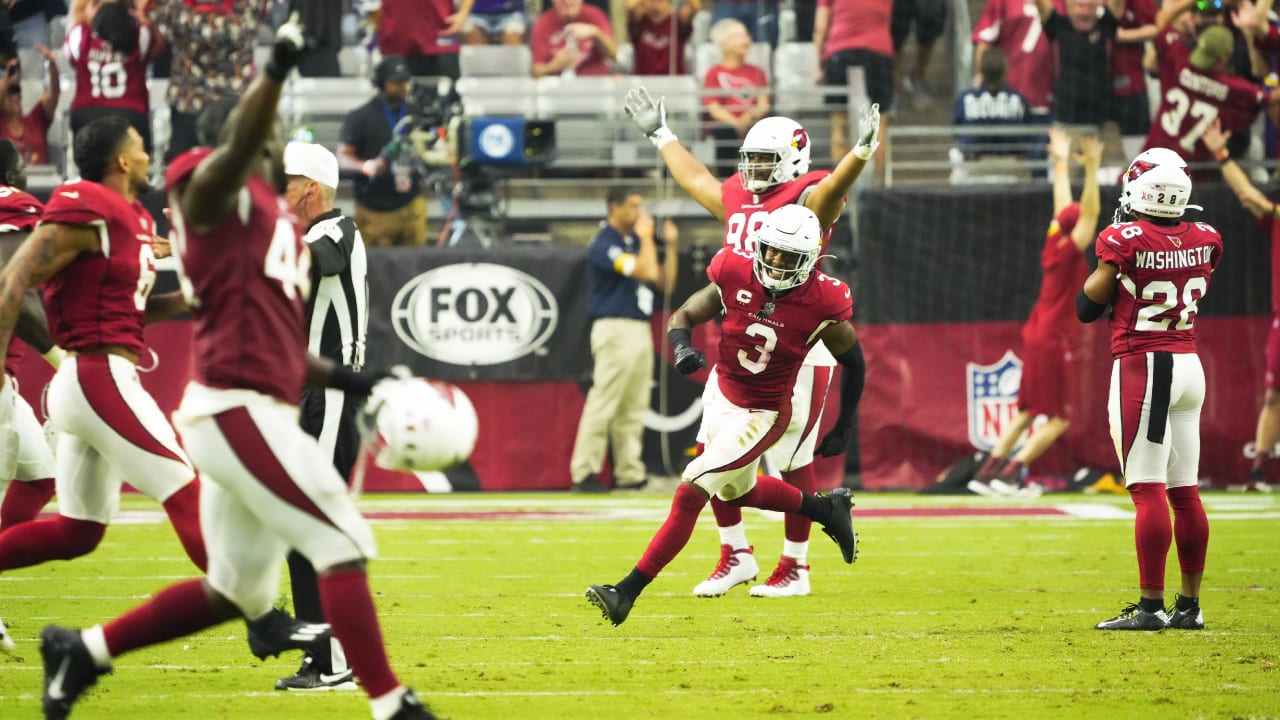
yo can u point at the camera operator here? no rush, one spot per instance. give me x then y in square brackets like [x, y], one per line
[390, 208]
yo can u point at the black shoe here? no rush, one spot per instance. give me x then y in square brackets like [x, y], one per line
[69, 670]
[1134, 617]
[589, 484]
[411, 708]
[613, 603]
[1192, 619]
[838, 522]
[638, 485]
[311, 677]
[277, 631]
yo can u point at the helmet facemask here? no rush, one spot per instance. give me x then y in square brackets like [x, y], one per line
[759, 169]
[787, 248]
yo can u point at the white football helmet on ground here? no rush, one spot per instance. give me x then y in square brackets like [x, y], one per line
[419, 425]
[786, 145]
[793, 231]
[1158, 184]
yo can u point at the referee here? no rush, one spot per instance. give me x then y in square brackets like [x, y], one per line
[336, 317]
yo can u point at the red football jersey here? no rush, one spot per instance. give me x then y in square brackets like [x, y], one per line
[1190, 101]
[1014, 26]
[1062, 266]
[19, 212]
[745, 211]
[246, 281]
[759, 357]
[1164, 272]
[106, 77]
[100, 298]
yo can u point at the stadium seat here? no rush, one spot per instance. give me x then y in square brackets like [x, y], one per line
[684, 108]
[495, 60]
[161, 128]
[795, 67]
[353, 61]
[498, 96]
[586, 111]
[322, 104]
[701, 27]
[707, 55]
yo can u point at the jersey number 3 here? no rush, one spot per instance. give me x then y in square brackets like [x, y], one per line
[757, 364]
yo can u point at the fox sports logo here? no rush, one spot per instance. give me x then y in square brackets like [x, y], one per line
[475, 314]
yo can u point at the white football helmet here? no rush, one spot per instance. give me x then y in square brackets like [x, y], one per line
[794, 231]
[419, 425]
[1158, 184]
[787, 145]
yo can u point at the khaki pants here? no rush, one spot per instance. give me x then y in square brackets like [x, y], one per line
[406, 226]
[613, 415]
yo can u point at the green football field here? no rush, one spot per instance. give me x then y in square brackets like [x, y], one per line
[957, 608]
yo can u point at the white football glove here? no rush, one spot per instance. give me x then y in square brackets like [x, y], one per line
[649, 116]
[868, 133]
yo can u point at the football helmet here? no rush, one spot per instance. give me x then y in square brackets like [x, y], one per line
[786, 145]
[419, 425]
[793, 231]
[1158, 184]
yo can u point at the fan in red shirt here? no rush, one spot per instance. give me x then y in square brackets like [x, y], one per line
[1049, 331]
[736, 93]
[659, 35]
[29, 132]
[776, 306]
[570, 36]
[1153, 271]
[1015, 26]
[109, 52]
[1129, 105]
[426, 33]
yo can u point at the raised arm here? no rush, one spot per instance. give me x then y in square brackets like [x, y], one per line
[52, 83]
[46, 251]
[1170, 12]
[1253, 199]
[651, 118]
[647, 268]
[1045, 8]
[1060, 151]
[216, 183]
[827, 198]
[1090, 202]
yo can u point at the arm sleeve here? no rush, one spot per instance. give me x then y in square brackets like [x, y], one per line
[331, 250]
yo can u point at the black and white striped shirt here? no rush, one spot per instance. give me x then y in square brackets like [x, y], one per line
[338, 309]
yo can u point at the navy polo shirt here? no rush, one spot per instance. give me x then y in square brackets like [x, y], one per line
[610, 293]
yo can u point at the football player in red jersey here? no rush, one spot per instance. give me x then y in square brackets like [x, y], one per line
[93, 253]
[776, 305]
[773, 171]
[1153, 270]
[1048, 331]
[244, 272]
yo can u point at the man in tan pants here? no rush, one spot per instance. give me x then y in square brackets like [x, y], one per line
[623, 271]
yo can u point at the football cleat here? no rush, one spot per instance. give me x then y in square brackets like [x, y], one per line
[277, 632]
[311, 677]
[837, 522]
[614, 604]
[788, 580]
[411, 708]
[1192, 619]
[1134, 617]
[983, 488]
[6, 640]
[736, 567]
[69, 670]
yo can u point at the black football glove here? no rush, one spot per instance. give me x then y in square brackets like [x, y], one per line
[835, 442]
[689, 359]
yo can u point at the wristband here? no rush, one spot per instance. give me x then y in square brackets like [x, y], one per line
[55, 356]
[1222, 155]
[662, 136]
[679, 337]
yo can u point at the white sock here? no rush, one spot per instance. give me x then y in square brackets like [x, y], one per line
[96, 641]
[387, 705]
[735, 536]
[337, 657]
[797, 551]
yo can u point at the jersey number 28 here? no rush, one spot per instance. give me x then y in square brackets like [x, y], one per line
[1167, 297]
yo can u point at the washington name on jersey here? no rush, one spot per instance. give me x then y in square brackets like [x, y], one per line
[1164, 272]
[761, 351]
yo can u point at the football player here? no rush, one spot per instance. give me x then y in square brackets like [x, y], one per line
[776, 306]
[1153, 271]
[270, 487]
[1047, 332]
[773, 171]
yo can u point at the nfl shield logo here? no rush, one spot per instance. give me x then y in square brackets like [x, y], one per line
[993, 398]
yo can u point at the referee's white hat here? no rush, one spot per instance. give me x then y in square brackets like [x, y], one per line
[311, 161]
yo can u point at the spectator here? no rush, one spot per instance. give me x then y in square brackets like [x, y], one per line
[1014, 26]
[855, 34]
[572, 38]
[993, 102]
[650, 26]
[623, 270]
[929, 18]
[30, 20]
[760, 17]
[323, 21]
[212, 43]
[29, 132]
[736, 93]
[1082, 83]
[390, 209]
[1130, 108]
[109, 49]
[423, 32]
[501, 20]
